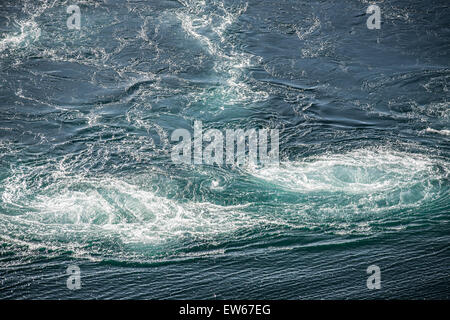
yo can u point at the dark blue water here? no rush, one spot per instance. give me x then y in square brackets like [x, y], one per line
[86, 175]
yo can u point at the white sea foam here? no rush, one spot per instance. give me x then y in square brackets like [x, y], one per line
[303, 33]
[443, 132]
[353, 192]
[359, 171]
[29, 33]
[208, 27]
[116, 207]
[105, 216]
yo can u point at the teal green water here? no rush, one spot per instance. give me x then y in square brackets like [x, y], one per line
[86, 172]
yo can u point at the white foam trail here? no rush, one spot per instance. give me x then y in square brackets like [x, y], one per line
[362, 171]
[108, 217]
[443, 132]
[208, 27]
[303, 33]
[354, 192]
[116, 207]
[29, 33]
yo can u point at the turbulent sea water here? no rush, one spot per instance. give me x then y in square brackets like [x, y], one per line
[86, 176]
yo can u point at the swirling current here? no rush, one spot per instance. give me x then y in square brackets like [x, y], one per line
[87, 178]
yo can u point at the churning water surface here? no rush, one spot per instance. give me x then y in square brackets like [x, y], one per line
[86, 172]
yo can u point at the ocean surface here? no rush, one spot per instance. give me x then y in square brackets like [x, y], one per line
[87, 179]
